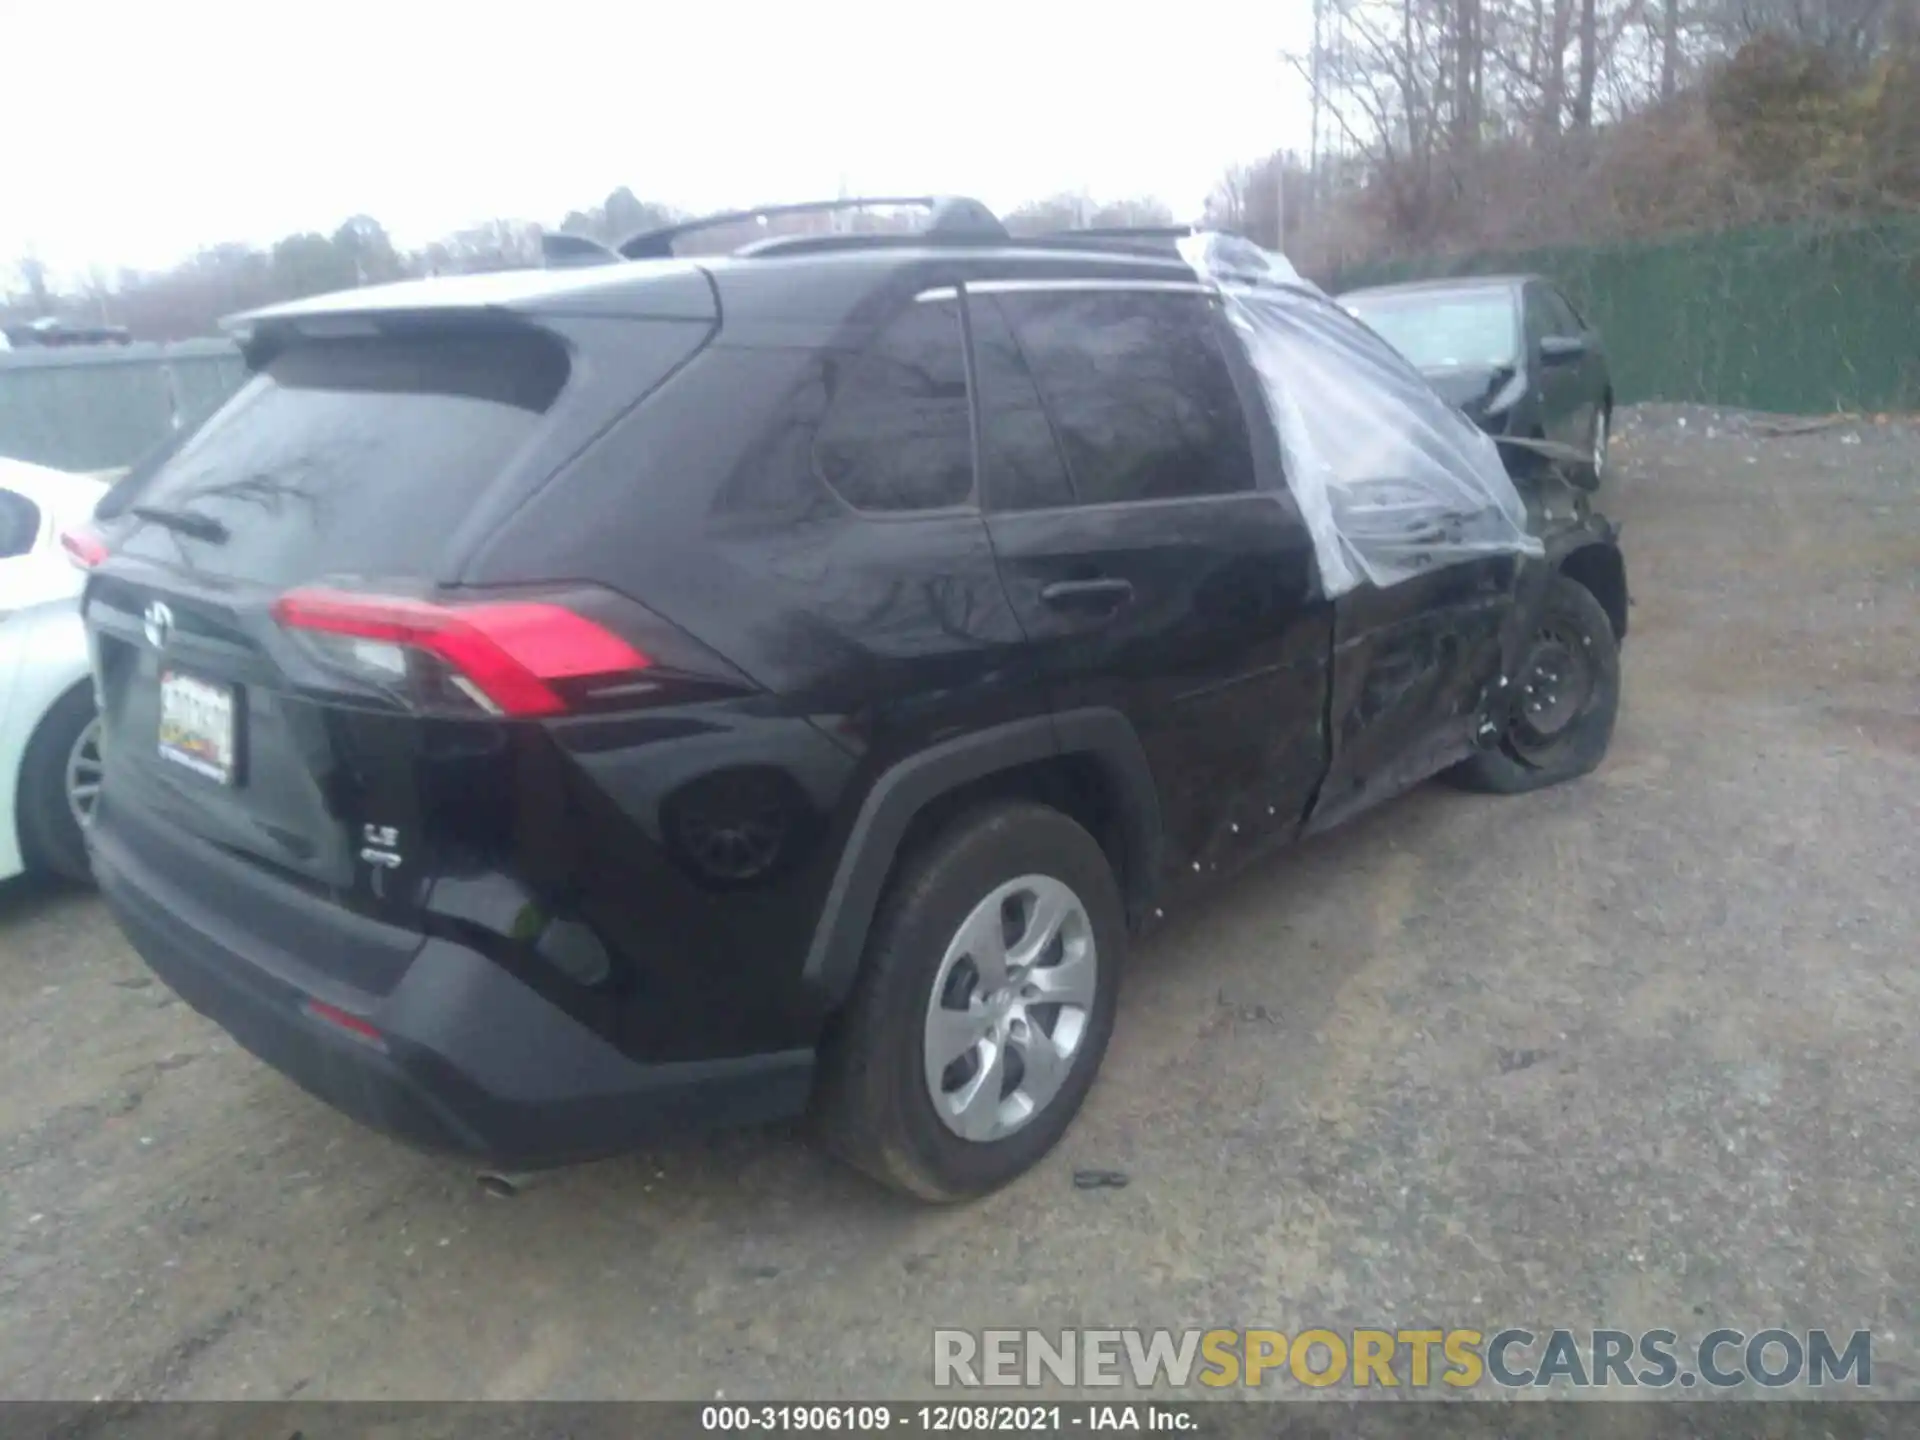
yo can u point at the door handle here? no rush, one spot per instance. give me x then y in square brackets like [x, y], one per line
[1106, 593]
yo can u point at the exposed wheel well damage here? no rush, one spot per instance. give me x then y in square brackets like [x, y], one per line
[1600, 570]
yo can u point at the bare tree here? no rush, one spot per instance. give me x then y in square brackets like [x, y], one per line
[1848, 30]
[1442, 122]
[33, 275]
[1589, 64]
[1554, 106]
[1669, 51]
[1468, 63]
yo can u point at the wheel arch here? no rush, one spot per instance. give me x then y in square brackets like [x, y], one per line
[1599, 568]
[1087, 763]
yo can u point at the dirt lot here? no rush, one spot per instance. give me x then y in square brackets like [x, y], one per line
[1639, 1052]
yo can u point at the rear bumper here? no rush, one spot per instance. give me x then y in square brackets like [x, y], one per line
[467, 1058]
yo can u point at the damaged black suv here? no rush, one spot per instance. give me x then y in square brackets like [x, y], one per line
[544, 709]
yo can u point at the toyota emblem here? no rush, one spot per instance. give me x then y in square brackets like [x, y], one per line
[157, 623]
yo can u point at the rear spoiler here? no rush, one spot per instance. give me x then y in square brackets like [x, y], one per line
[564, 252]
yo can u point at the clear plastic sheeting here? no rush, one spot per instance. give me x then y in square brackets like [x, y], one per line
[1391, 480]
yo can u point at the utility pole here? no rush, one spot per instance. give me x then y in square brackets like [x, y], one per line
[1280, 201]
[1280, 182]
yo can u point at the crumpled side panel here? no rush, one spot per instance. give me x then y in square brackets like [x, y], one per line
[1391, 480]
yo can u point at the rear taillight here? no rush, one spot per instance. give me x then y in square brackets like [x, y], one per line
[84, 547]
[507, 657]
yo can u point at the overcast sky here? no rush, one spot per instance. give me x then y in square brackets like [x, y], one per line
[139, 131]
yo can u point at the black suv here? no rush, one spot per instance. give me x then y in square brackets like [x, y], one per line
[547, 708]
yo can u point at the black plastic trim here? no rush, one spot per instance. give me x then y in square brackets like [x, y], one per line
[840, 935]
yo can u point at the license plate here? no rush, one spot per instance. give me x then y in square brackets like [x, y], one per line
[196, 725]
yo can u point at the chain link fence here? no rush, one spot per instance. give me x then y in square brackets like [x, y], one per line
[100, 408]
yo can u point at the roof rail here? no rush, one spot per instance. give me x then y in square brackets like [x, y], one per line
[784, 245]
[1122, 232]
[950, 215]
[563, 252]
[1160, 240]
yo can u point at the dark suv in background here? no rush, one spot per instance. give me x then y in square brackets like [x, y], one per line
[1510, 350]
[543, 709]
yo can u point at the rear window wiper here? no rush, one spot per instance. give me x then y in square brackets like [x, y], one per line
[186, 522]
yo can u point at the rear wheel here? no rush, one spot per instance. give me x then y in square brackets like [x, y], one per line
[983, 1007]
[59, 782]
[1569, 696]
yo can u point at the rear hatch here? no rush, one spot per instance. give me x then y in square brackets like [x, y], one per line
[286, 669]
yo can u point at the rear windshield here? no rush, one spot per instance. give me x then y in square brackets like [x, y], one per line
[350, 456]
[1445, 332]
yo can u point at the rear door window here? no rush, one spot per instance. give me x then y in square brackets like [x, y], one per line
[898, 434]
[352, 456]
[1138, 390]
[1020, 462]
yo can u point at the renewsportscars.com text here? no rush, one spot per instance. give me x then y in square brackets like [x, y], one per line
[1362, 1359]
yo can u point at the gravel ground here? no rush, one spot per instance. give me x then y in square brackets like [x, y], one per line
[1638, 1052]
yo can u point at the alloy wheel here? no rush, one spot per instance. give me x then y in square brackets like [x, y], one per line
[1010, 1009]
[83, 772]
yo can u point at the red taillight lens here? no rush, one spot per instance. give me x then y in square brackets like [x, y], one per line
[84, 548]
[503, 654]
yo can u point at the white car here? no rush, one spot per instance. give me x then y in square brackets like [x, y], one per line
[49, 742]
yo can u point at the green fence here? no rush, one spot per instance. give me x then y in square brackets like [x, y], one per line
[1797, 321]
[102, 408]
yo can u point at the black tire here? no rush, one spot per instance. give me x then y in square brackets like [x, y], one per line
[50, 838]
[1511, 766]
[872, 1106]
